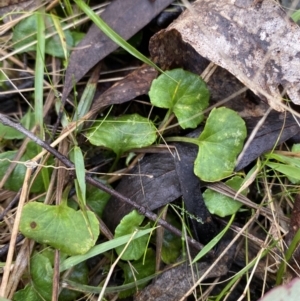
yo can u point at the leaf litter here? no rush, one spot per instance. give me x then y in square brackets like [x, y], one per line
[167, 185]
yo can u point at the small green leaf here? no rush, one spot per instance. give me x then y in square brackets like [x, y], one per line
[60, 227]
[138, 270]
[172, 244]
[220, 204]
[291, 166]
[288, 170]
[96, 199]
[9, 133]
[41, 272]
[101, 248]
[28, 293]
[209, 246]
[296, 16]
[184, 93]
[80, 175]
[79, 274]
[219, 144]
[25, 32]
[128, 225]
[123, 133]
[15, 181]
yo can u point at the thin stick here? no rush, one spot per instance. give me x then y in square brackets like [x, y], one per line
[141, 209]
[11, 250]
[114, 265]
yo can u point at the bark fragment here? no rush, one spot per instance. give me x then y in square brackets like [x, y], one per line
[258, 44]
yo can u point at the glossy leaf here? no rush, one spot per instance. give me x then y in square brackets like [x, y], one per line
[60, 227]
[137, 270]
[123, 133]
[184, 93]
[128, 225]
[223, 205]
[219, 144]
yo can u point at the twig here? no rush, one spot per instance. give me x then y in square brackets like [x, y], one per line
[141, 209]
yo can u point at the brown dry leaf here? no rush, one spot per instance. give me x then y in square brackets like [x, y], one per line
[134, 84]
[173, 284]
[256, 42]
[126, 18]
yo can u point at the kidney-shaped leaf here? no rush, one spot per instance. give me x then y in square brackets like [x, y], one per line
[60, 227]
[219, 144]
[123, 133]
[221, 204]
[184, 93]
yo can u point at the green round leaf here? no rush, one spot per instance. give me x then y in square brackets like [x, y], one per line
[60, 227]
[220, 204]
[123, 133]
[184, 93]
[128, 225]
[219, 144]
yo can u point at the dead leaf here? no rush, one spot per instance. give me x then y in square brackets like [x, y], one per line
[203, 225]
[173, 284]
[259, 44]
[134, 84]
[165, 186]
[126, 18]
[152, 193]
[276, 129]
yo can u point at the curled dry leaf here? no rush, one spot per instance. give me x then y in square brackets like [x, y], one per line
[257, 43]
[136, 83]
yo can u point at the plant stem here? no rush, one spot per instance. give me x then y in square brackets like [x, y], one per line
[141, 209]
[166, 121]
[287, 257]
[182, 139]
